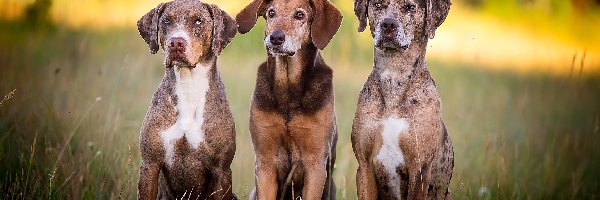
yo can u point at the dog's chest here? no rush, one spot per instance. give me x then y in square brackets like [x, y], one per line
[191, 88]
[390, 154]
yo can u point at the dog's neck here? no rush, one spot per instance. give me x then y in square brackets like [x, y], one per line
[394, 71]
[206, 65]
[399, 64]
[190, 80]
[288, 70]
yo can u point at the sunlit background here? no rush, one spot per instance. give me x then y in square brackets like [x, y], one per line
[519, 80]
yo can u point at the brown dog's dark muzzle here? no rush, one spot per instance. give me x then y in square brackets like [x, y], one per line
[274, 43]
[277, 38]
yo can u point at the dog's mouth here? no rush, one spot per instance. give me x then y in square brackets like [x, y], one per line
[390, 43]
[175, 58]
[278, 50]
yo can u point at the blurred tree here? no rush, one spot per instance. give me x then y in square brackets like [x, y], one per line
[585, 5]
[38, 14]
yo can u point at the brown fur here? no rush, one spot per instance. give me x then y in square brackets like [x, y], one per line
[400, 85]
[195, 173]
[292, 119]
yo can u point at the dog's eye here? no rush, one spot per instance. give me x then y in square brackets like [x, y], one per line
[271, 13]
[378, 5]
[198, 22]
[409, 7]
[299, 15]
[166, 21]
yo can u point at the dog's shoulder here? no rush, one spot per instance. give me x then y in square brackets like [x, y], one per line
[264, 98]
[162, 105]
[160, 116]
[321, 75]
[217, 110]
[317, 88]
[370, 88]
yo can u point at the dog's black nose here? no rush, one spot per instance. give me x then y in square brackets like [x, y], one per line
[389, 24]
[277, 38]
[177, 43]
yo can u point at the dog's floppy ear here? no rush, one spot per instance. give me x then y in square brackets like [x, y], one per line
[436, 10]
[360, 10]
[326, 22]
[246, 19]
[148, 27]
[224, 28]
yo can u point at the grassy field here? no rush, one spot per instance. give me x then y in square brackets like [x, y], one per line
[70, 127]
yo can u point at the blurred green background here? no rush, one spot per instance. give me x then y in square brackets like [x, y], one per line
[519, 80]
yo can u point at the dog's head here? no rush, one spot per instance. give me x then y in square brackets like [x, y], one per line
[188, 31]
[292, 24]
[395, 24]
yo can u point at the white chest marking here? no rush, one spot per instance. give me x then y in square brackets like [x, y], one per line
[191, 87]
[390, 154]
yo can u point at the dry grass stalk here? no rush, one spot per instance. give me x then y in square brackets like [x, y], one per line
[7, 97]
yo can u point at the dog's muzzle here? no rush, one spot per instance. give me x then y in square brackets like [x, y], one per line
[275, 43]
[389, 31]
[176, 51]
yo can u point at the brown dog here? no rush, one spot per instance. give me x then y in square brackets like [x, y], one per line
[187, 139]
[292, 118]
[398, 136]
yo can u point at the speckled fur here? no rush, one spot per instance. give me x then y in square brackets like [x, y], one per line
[195, 172]
[400, 86]
[292, 118]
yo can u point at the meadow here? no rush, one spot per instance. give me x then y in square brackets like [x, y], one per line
[74, 100]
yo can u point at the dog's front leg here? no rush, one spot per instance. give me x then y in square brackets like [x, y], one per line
[265, 130]
[314, 180]
[217, 157]
[418, 182]
[223, 187]
[266, 179]
[365, 182]
[148, 183]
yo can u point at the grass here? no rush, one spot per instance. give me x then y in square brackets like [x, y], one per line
[70, 130]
